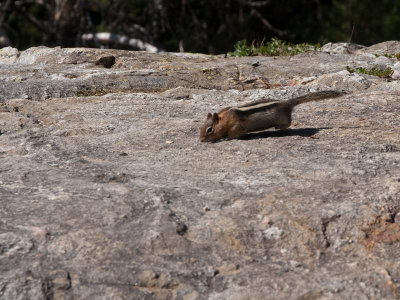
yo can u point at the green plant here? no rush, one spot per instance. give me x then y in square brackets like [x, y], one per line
[274, 47]
[242, 49]
[375, 71]
[396, 56]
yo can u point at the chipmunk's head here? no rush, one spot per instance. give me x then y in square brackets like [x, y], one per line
[210, 132]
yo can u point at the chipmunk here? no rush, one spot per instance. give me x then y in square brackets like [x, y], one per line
[235, 122]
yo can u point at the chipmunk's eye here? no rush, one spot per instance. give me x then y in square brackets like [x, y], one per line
[209, 130]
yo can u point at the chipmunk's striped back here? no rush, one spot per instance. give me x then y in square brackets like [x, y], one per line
[264, 114]
[235, 122]
[257, 106]
[267, 113]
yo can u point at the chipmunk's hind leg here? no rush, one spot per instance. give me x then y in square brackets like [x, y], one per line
[281, 127]
[284, 119]
[284, 123]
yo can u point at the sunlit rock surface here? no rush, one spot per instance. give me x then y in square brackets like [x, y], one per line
[107, 193]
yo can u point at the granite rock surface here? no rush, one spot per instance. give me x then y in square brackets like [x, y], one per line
[107, 193]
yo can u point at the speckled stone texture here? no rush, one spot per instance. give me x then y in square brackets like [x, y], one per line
[107, 193]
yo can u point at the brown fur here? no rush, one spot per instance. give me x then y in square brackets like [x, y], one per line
[236, 122]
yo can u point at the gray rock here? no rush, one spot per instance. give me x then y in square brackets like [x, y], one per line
[8, 55]
[384, 62]
[341, 48]
[396, 71]
[106, 192]
[388, 47]
[344, 80]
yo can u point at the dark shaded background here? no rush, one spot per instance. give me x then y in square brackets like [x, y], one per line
[208, 26]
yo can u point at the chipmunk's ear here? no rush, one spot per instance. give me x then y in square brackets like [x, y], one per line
[209, 116]
[215, 118]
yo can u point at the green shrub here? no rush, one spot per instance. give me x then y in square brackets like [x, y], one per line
[375, 71]
[274, 47]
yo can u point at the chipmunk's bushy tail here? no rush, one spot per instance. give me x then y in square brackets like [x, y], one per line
[315, 97]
